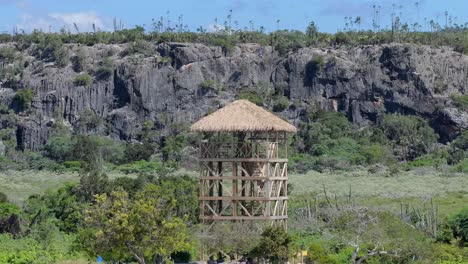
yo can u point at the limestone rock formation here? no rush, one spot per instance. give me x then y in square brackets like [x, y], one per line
[180, 82]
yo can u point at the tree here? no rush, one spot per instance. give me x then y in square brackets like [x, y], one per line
[275, 245]
[459, 148]
[144, 228]
[62, 206]
[381, 236]
[233, 239]
[312, 32]
[410, 135]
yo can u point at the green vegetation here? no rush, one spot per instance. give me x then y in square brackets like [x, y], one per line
[83, 79]
[146, 227]
[226, 36]
[7, 54]
[79, 60]
[141, 46]
[410, 136]
[105, 69]
[23, 98]
[461, 102]
[124, 208]
[275, 245]
[386, 193]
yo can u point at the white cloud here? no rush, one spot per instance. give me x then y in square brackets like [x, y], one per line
[84, 20]
[213, 27]
[56, 21]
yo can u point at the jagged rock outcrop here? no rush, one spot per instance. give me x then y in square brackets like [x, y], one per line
[169, 86]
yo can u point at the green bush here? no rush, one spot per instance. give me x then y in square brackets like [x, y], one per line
[301, 162]
[141, 166]
[462, 166]
[37, 250]
[79, 61]
[24, 98]
[411, 136]
[281, 103]
[208, 84]
[59, 148]
[83, 79]
[7, 209]
[459, 148]
[377, 153]
[435, 159]
[38, 162]
[136, 152]
[53, 49]
[275, 246]
[251, 96]
[72, 165]
[105, 69]
[461, 102]
[459, 225]
[141, 47]
[7, 54]
[3, 198]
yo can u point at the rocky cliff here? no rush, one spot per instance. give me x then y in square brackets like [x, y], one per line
[177, 83]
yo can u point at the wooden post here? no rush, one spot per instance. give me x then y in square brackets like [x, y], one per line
[210, 182]
[234, 189]
[220, 186]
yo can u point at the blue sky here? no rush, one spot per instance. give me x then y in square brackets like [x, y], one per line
[293, 14]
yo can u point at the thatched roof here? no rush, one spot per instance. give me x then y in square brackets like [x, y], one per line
[242, 115]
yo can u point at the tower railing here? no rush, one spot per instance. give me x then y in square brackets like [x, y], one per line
[252, 149]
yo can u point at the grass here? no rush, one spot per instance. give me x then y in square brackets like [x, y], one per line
[448, 192]
[405, 184]
[19, 185]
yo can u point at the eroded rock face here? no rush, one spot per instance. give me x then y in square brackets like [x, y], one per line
[362, 82]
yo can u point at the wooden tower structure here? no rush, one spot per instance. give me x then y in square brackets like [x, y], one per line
[243, 165]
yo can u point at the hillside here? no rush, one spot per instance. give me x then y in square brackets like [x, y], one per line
[112, 89]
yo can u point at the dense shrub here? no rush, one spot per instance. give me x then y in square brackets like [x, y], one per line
[461, 102]
[435, 159]
[137, 152]
[24, 98]
[105, 69]
[141, 166]
[7, 209]
[24, 250]
[38, 162]
[59, 148]
[3, 198]
[275, 245]
[81, 150]
[72, 165]
[411, 136]
[83, 79]
[53, 48]
[141, 47]
[281, 103]
[79, 60]
[459, 225]
[459, 148]
[377, 153]
[251, 96]
[7, 54]
[462, 166]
